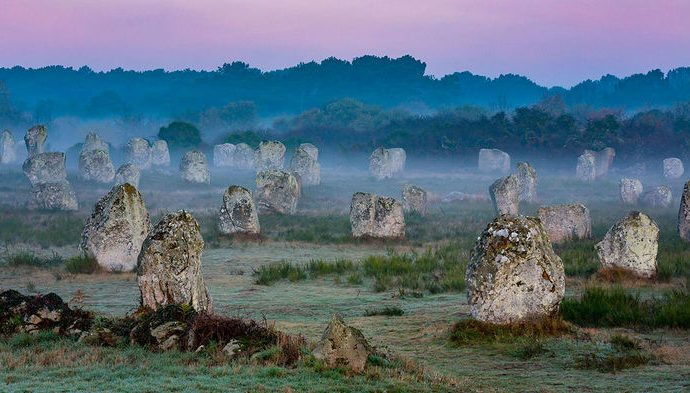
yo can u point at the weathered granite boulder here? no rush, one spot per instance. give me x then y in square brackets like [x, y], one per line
[684, 214]
[505, 195]
[630, 190]
[160, 154]
[269, 155]
[566, 222]
[224, 155]
[35, 140]
[277, 192]
[414, 199]
[94, 142]
[169, 265]
[138, 152]
[45, 168]
[514, 274]
[658, 197]
[244, 156]
[238, 212]
[57, 195]
[95, 165]
[343, 346]
[631, 244]
[305, 163]
[494, 161]
[379, 217]
[386, 163]
[673, 168]
[527, 180]
[586, 167]
[114, 233]
[194, 167]
[8, 152]
[128, 173]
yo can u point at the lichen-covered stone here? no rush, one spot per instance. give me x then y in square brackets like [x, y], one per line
[224, 155]
[414, 199]
[514, 274]
[238, 212]
[95, 165]
[343, 346]
[373, 216]
[684, 214]
[194, 167]
[128, 173]
[305, 163]
[138, 152]
[277, 192]
[57, 195]
[631, 244]
[566, 222]
[673, 168]
[169, 264]
[527, 180]
[386, 163]
[160, 154]
[244, 157]
[657, 197]
[116, 229]
[505, 195]
[269, 155]
[8, 152]
[630, 190]
[35, 140]
[493, 161]
[45, 168]
[586, 167]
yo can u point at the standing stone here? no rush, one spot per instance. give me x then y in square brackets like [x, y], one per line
[160, 155]
[138, 152]
[35, 140]
[56, 195]
[224, 155]
[658, 197]
[630, 190]
[169, 264]
[269, 155]
[414, 199]
[566, 222]
[94, 142]
[684, 214]
[45, 168]
[586, 167]
[505, 195]
[128, 173]
[8, 152]
[94, 162]
[385, 163]
[244, 157]
[342, 345]
[604, 160]
[527, 179]
[238, 212]
[117, 228]
[194, 167]
[277, 192]
[379, 217]
[514, 275]
[494, 161]
[305, 163]
[631, 244]
[673, 168]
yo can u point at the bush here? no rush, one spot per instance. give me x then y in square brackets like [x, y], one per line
[391, 311]
[82, 265]
[180, 135]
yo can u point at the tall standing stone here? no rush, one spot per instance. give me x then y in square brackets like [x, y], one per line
[505, 195]
[630, 190]
[566, 222]
[414, 199]
[604, 160]
[194, 167]
[379, 217]
[586, 167]
[514, 275]
[244, 157]
[684, 214]
[128, 173]
[673, 168]
[398, 158]
[35, 140]
[169, 264]
[117, 228]
[305, 163]
[527, 180]
[94, 142]
[138, 152]
[386, 163]
[56, 195]
[269, 155]
[631, 244]
[224, 155]
[45, 168]
[94, 160]
[8, 152]
[277, 192]
[238, 212]
[160, 155]
[493, 161]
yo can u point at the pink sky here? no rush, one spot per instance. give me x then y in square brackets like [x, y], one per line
[551, 41]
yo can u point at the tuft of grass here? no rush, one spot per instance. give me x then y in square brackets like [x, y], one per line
[530, 348]
[28, 259]
[82, 264]
[391, 311]
[471, 331]
[621, 353]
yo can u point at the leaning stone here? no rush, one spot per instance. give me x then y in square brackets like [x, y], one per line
[673, 168]
[305, 163]
[269, 155]
[494, 161]
[414, 199]
[244, 157]
[95, 165]
[45, 168]
[386, 163]
[505, 195]
[194, 167]
[114, 233]
[631, 244]
[57, 195]
[169, 266]
[343, 346]
[277, 192]
[657, 197]
[8, 152]
[379, 217]
[138, 152]
[238, 212]
[684, 214]
[586, 167]
[527, 180]
[566, 222]
[128, 173]
[160, 155]
[630, 190]
[514, 275]
[223, 155]
[35, 140]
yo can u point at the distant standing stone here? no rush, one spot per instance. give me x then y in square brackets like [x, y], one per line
[35, 139]
[194, 167]
[160, 155]
[128, 173]
[138, 152]
[45, 168]
[373, 216]
[630, 191]
[8, 152]
[386, 163]
[414, 199]
[56, 195]
[277, 192]
[238, 212]
[684, 214]
[94, 160]
[673, 168]
[586, 167]
[566, 222]
[505, 195]
[305, 163]
[527, 180]
[658, 197]
[494, 161]
[604, 160]
[269, 155]
[244, 157]
[94, 142]
[631, 244]
[224, 155]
